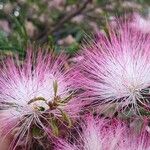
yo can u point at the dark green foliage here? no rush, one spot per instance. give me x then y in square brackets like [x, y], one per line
[52, 22]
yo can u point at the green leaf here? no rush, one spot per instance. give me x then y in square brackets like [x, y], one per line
[66, 118]
[68, 98]
[54, 126]
[55, 87]
[37, 99]
[144, 112]
[71, 2]
[73, 48]
[37, 132]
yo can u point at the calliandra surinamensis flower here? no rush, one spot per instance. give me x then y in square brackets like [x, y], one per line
[36, 96]
[104, 134]
[141, 23]
[116, 69]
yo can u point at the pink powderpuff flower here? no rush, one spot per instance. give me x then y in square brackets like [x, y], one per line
[103, 134]
[89, 139]
[35, 94]
[138, 142]
[140, 23]
[116, 68]
[65, 145]
[96, 135]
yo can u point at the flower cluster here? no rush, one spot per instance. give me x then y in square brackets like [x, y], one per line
[99, 102]
[104, 134]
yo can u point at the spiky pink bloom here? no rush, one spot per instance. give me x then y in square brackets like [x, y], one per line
[35, 92]
[116, 68]
[140, 23]
[65, 145]
[103, 134]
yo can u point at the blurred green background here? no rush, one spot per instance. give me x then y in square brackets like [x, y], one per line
[60, 24]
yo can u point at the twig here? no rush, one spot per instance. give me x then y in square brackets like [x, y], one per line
[68, 17]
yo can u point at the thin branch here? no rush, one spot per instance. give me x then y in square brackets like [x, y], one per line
[68, 17]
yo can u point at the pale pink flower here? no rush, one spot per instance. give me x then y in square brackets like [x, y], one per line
[65, 145]
[103, 134]
[89, 139]
[140, 23]
[34, 93]
[116, 68]
[132, 142]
